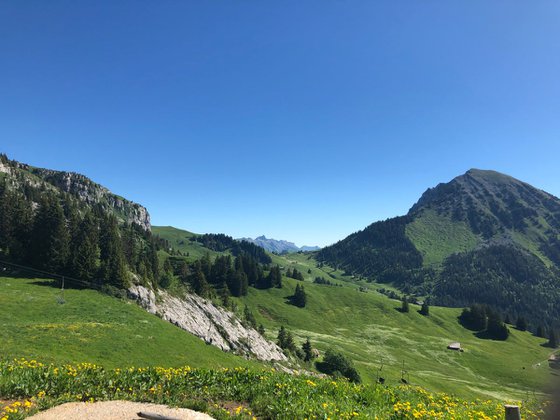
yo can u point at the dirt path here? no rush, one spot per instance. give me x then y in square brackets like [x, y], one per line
[115, 410]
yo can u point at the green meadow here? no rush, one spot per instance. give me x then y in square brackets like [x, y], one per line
[92, 327]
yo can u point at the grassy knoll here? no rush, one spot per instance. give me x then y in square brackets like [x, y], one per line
[370, 330]
[92, 327]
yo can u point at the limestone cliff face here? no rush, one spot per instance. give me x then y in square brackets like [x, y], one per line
[213, 324]
[79, 186]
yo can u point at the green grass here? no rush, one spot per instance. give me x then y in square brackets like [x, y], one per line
[92, 327]
[181, 240]
[369, 329]
[437, 237]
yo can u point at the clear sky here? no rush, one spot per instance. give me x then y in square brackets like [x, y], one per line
[301, 120]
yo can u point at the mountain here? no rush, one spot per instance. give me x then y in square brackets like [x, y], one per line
[86, 192]
[484, 237]
[278, 246]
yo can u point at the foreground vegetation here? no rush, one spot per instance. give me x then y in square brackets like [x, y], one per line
[238, 392]
[38, 321]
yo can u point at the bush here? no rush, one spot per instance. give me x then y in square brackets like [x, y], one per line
[335, 362]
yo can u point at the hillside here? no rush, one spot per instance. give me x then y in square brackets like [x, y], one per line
[38, 322]
[481, 231]
[34, 181]
[367, 326]
[343, 311]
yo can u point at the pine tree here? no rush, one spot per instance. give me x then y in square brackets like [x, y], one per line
[249, 317]
[425, 309]
[113, 267]
[307, 350]
[6, 219]
[552, 338]
[49, 249]
[496, 328]
[199, 284]
[85, 249]
[281, 339]
[540, 332]
[404, 305]
[521, 324]
[261, 330]
[299, 298]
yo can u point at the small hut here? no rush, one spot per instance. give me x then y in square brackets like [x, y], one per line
[455, 346]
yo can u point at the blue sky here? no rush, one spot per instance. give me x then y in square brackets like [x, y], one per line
[301, 120]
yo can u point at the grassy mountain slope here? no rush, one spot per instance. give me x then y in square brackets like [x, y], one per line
[180, 240]
[92, 327]
[368, 328]
[491, 221]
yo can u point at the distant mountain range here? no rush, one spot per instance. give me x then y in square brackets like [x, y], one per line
[278, 246]
[483, 237]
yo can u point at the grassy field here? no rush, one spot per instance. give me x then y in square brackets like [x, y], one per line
[368, 328]
[92, 327]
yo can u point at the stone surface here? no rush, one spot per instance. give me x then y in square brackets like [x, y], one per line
[207, 321]
[115, 410]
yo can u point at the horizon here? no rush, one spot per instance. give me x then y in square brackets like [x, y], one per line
[264, 235]
[304, 122]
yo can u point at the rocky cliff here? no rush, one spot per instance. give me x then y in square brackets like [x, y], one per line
[213, 324]
[79, 186]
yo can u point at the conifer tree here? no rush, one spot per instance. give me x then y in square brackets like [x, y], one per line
[249, 317]
[85, 249]
[521, 324]
[299, 298]
[113, 267]
[199, 284]
[49, 249]
[404, 304]
[425, 309]
[552, 338]
[307, 350]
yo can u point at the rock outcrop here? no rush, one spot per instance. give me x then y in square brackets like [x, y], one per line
[78, 186]
[213, 324]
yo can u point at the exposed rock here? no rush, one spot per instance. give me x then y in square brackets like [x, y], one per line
[79, 186]
[213, 324]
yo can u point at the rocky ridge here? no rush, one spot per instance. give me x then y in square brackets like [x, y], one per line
[79, 186]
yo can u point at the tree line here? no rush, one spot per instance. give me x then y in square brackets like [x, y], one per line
[54, 232]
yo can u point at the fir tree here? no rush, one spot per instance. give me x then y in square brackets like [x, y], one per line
[404, 304]
[299, 298]
[199, 284]
[113, 267]
[307, 350]
[85, 249]
[552, 338]
[249, 317]
[521, 324]
[50, 249]
[425, 309]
